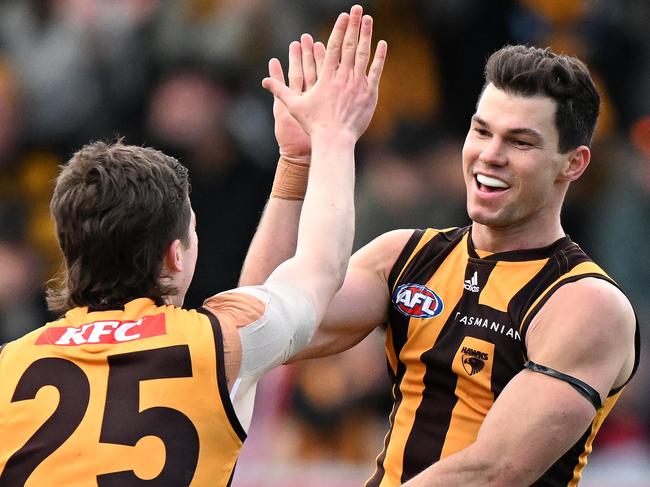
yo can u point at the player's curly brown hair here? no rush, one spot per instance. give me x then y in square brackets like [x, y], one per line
[116, 208]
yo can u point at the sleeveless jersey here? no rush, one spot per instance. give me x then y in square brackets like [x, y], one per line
[455, 338]
[118, 398]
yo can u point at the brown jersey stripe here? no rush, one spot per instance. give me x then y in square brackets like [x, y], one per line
[406, 253]
[423, 245]
[388, 455]
[378, 478]
[429, 253]
[503, 363]
[526, 296]
[221, 374]
[391, 365]
[378, 474]
[581, 271]
[451, 435]
[437, 430]
[391, 356]
[559, 265]
[415, 418]
[523, 255]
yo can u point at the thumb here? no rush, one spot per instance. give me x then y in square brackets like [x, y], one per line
[278, 89]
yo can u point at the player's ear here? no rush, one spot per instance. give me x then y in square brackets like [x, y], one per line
[575, 163]
[173, 260]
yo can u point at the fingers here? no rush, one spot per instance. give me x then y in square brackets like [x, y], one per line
[349, 47]
[281, 91]
[319, 56]
[351, 39]
[308, 60]
[363, 49]
[334, 43]
[295, 67]
[377, 65]
[275, 70]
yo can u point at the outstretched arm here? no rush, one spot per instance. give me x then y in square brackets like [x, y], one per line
[276, 236]
[334, 112]
[267, 324]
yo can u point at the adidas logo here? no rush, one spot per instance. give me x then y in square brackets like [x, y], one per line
[472, 284]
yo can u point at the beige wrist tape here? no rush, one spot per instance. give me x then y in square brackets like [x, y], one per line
[291, 176]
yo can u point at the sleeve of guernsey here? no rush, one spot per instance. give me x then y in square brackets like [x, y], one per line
[282, 324]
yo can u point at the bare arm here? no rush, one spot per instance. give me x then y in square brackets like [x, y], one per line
[277, 234]
[361, 305]
[334, 112]
[521, 438]
[274, 241]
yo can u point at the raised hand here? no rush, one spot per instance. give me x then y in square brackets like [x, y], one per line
[305, 61]
[344, 97]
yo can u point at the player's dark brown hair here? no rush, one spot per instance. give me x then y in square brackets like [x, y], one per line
[530, 71]
[117, 207]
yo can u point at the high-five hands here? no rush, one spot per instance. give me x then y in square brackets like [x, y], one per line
[305, 62]
[340, 93]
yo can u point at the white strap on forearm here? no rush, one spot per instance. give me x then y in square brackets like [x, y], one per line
[285, 328]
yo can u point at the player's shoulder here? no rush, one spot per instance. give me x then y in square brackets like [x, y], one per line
[596, 294]
[381, 253]
[591, 305]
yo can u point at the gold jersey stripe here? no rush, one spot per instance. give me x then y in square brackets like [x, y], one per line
[419, 340]
[473, 390]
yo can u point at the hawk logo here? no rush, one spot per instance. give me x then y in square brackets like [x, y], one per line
[473, 360]
[417, 301]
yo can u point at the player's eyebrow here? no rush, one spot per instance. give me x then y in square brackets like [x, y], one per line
[539, 138]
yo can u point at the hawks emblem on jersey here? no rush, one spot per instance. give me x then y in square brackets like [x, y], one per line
[473, 360]
[417, 301]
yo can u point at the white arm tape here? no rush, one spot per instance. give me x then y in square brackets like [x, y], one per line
[285, 328]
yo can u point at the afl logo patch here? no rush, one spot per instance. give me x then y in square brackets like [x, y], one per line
[417, 301]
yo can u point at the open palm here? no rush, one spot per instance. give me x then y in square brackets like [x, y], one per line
[344, 96]
[305, 59]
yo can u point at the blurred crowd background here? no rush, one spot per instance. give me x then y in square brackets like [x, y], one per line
[184, 76]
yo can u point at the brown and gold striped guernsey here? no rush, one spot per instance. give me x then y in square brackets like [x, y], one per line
[457, 324]
[122, 397]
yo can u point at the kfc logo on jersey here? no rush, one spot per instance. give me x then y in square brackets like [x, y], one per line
[105, 331]
[417, 301]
